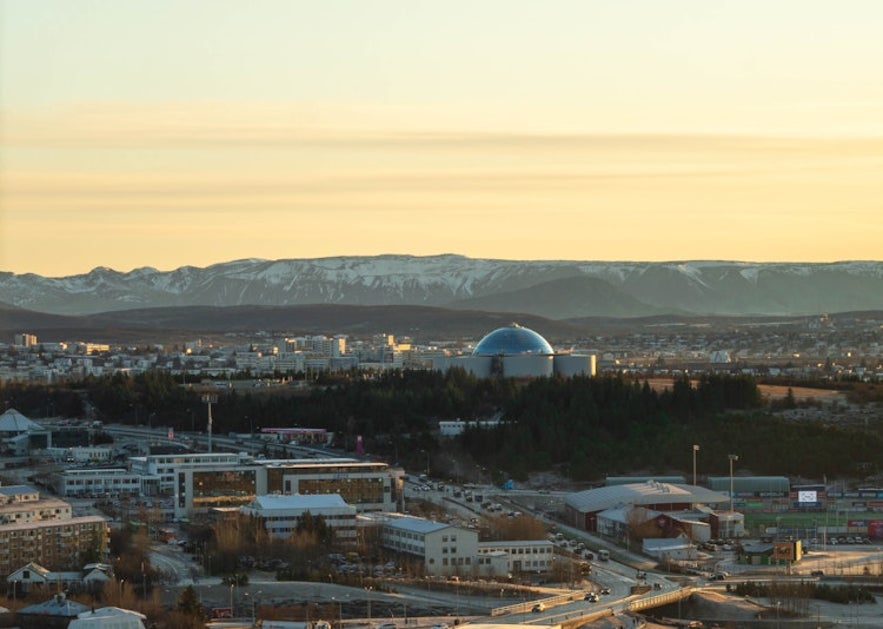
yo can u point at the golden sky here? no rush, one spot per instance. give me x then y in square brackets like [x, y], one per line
[163, 133]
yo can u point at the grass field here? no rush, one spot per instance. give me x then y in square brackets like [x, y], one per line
[809, 524]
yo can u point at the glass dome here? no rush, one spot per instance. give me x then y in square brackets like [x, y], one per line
[512, 340]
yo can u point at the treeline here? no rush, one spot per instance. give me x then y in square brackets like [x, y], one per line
[605, 427]
[587, 428]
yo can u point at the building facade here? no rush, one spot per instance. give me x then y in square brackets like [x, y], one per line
[282, 515]
[42, 530]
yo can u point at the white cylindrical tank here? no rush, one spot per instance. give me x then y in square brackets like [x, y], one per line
[527, 366]
[568, 365]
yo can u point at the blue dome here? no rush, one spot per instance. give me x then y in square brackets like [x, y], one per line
[512, 340]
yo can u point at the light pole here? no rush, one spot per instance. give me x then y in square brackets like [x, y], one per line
[368, 589]
[695, 450]
[254, 600]
[122, 582]
[232, 585]
[208, 399]
[732, 457]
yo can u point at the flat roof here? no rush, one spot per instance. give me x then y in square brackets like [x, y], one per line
[299, 501]
[417, 525]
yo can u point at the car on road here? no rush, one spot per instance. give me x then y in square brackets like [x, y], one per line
[441, 625]
[592, 597]
[539, 607]
[605, 591]
[386, 625]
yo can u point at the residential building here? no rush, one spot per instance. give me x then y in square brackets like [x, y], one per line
[43, 530]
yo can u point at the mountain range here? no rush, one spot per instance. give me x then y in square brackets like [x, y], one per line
[550, 289]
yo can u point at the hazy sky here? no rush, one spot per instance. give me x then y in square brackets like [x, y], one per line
[170, 132]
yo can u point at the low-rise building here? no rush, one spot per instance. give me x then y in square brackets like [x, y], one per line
[201, 482]
[282, 515]
[521, 556]
[96, 482]
[445, 549]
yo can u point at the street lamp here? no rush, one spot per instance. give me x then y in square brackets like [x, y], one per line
[732, 457]
[695, 450]
[254, 600]
[232, 585]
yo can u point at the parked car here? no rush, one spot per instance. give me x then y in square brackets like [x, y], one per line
[817, 573]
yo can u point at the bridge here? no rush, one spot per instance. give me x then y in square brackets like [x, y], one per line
[568, 611]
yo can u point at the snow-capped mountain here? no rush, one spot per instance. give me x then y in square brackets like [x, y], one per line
[554, 289]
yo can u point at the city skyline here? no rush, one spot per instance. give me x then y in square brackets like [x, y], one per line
[167, 134]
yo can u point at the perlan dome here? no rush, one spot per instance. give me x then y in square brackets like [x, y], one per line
[513, 340]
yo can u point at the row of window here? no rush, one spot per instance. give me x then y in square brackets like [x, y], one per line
[546, 550]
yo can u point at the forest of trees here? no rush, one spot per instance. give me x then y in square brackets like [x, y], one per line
[585, 428]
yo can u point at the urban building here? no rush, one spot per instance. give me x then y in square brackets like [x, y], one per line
[200, 482]
[517, 352]
[520, 556]
[95, 482]
[43, 530]
[282, 515]
[582, 509]
[19, 434]
[445, 550]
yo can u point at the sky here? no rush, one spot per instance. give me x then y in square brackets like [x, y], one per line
[165, 133]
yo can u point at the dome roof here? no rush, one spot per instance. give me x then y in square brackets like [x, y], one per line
[512, 340]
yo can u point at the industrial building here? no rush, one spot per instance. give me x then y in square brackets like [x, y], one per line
[672, 506]
[517, 352]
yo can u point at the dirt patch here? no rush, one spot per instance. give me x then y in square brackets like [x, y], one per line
[771, 391]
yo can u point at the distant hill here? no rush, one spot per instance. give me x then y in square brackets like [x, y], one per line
[551, 289]
[565, 298]
[422, 322]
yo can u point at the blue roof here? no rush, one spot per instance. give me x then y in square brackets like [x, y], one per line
[512, 340]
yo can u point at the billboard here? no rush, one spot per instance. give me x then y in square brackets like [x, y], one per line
[807, 496]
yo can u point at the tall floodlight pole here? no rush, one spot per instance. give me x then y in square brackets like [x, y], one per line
[695, 450]
[209, 399]
[732, 457]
